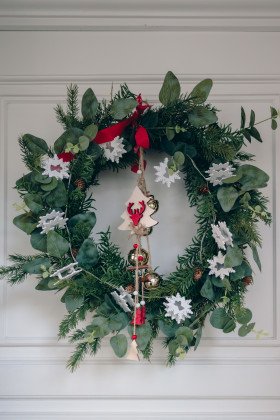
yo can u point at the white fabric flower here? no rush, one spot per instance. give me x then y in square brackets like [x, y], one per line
[217, 266]
[55, 167]
[114, 149]
[222, 235]
[178, 308]
[219, 171]
[162, 174]
[52, 220]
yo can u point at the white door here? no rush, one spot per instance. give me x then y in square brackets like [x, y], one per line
[46, 45]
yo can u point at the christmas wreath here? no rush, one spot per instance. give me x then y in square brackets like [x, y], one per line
[213, 273]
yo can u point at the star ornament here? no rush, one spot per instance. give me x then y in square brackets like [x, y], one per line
[178, 308]
[222, 235]
[162, 174]
[218, 268]
[219, 171]
[53, 166]
[113, 150]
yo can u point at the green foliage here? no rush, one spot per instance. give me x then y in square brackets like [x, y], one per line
[187, 129]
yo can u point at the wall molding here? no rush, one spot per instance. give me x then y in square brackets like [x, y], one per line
[130, 15]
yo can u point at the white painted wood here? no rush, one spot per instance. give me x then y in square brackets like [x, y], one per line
[227, 377]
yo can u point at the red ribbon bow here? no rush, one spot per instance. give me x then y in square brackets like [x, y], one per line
[108, 134]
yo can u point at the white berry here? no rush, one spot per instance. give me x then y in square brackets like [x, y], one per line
[137, 305]
[139, 172]
[142, 302]
[135, 293]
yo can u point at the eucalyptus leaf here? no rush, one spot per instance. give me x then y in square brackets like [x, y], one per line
[168, 147]
[246, 329]
[198, 337]
[169, 327]
[243, 118]
[89, 105]
[201, 117]
[273, 112]
[234, 257]
[38, 240]
[179, 158]
[100, 327]
[170, 133]
[230, 326]
[83, 143]
[34, 266]
[58, 196]
[173, 346]
[57, 246]
[118, 322]
[227, 197]
[73, 302]
[71, 135]
[207, 290]
[187, 333]
[51, 185]
[42, 179]
[122, 107]
[143, 333]
[170, 90]
[219, 318]
[119, 344]
[25, 222]
[34, 202]
[244, 316]
[274, 124]
[88, 255]
[87, 219]
[43, 285]
[200, 92]
[35, 145]
[256, 256]
[91, 131]
[252, 177]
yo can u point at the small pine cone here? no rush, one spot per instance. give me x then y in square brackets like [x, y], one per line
[247, 281]
[80, 183]
[197, 274]
[204, 189]
[75, 252]
[130, 288]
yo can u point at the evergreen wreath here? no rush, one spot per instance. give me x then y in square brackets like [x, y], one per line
[213, 274]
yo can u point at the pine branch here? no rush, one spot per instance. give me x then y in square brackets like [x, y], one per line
[31, 160]
[71, 320]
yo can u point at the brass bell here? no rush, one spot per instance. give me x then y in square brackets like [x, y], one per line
[142, 253]
[153, 203]
[153, 281]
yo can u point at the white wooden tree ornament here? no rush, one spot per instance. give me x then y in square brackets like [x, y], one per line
[137, 212]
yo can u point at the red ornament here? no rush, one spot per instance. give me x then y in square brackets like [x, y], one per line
[134, 337]
[140, 258]
[135, 246]
[137, 320]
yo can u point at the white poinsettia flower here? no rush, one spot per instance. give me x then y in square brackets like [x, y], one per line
[113, 150]
[162, 174]
[178, 308]
[52, 220]
[222, 235]
[219, 171]
[218, 268]
[55, 167]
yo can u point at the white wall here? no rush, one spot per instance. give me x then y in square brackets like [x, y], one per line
[44, 46]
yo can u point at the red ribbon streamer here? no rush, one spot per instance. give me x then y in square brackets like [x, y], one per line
[108, 134]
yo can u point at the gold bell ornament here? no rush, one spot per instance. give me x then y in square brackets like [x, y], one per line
[153, 203]
[153, 281]
[143, 256]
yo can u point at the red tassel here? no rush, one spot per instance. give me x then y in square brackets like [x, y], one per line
[138, 318]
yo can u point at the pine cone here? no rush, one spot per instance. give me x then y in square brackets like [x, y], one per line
[204, 189]
[197, 274]
[80, 183]
[130, 288]
[75, 252]
[247, 281]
